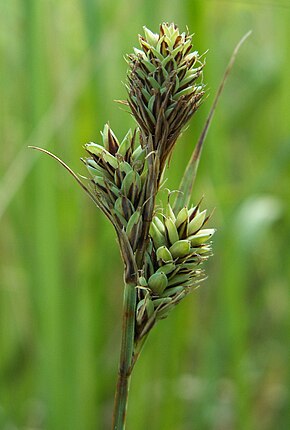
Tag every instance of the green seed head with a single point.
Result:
(163, 85)
(179, 246)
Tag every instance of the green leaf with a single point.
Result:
(187, 181)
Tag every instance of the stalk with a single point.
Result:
(126, 355)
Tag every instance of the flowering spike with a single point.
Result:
(162, 85)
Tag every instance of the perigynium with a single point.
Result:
(163, 249)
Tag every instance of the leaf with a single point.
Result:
(187, 181)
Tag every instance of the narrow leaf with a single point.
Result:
(187, 181)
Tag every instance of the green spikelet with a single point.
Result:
(101, 152)
(167, 268)
(171, 230)
(133, 221)
(163, 84)
(126, 143)
(139, 154)
(156, 235)
(158, 282)
(170, 213)
(128, 182)
(159, 224)
(182, 216)
(196, 223)
(180, 248)
(164, 254)
(110, 141)
(201, 237)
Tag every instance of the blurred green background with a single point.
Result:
(221, 360)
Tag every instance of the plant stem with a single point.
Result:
(125, 365)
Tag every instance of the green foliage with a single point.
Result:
(221, 358)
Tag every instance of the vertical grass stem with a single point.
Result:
(127, 349)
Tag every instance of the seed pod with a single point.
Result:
(104, 134)
(159, 224)
(182, 216)
(194, 210)
(166, 268)
(201, 237)
(140, 53)
(153, 83)
(157, 237)
(90, 163)
(144, 306)
(100, 151)
(110, 159)
(118, 178)
(144, 173)
(94, 148)
(108, 187)
(125, 167)
(139, 154)
(170, 213)
(95, 169)
(125, 145)
(184, 92)
(171, 230)
(137, 185)
(120, 217)
(118, 206)
(180, 249)
(133, 221)
(110, 141)
(149, 306)
(182, 230)
(188, 77)
(150, 36)
(201, 249)
(124, 206)
(190, 266)
(164, 254)
(169, 292)
(196, 223)
(99, 180)
(140, 310)
(158, 282)
(148, 267)
(134, 237)
(151, 103)
(127, 183)
(179, 279)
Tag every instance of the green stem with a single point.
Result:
(127, 350)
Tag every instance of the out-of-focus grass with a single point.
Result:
(221, 361)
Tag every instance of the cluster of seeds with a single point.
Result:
(165, 252)
(118, 173)
(179, 244)
(163, 94)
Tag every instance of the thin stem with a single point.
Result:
(127, 349)
(189, 175)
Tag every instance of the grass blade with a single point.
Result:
(187, 181)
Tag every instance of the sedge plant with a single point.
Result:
(162, 248)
